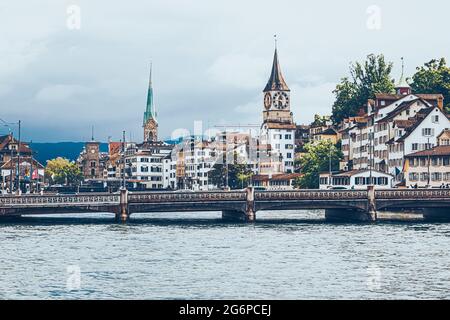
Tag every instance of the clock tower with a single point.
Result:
(278, 128)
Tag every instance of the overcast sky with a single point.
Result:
(211, 59)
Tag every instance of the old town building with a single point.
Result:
(19, 166)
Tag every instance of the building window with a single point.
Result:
(415, 146)
(413, 176)
(435, 119)
(428, 132)
(436, 176)
(446, 161)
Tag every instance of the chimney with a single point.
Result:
(441, 102)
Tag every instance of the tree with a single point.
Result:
(320, 120)
(62, 171)
(366, 79)
(433, 77)
(239, 175)
(315, 161)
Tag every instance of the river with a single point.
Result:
(284, 255)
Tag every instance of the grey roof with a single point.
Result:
(276, 80)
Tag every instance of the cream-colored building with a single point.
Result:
(430, 168)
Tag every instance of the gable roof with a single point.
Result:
(420, 116)
(402, 107)
(436, 151)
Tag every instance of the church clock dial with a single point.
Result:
(280, 100)
(267, 100)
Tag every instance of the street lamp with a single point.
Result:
(330, 173)
(428, 164)
(370, 156)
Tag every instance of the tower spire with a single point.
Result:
(150, 122)
(276, 80)
(402, 87)
(150, 109)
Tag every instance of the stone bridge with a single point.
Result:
(359, 205)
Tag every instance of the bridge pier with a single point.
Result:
(123, 213)
(355, 215)
(238, 216)
(436, 214)
(348, 215)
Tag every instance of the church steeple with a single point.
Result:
(402, 87)
(150, 123)
(150, 110)
(276, 81)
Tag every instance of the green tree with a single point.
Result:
(320, 120)
(62, 171)
(239, 175)
(366, 79)
(433, 77)
(315, 161)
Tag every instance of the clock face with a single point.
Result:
(92, 150)
(267, 100)
(280, 100)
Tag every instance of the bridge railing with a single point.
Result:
(415, 194)
(78, 199)
(155, 197)
(311, 195)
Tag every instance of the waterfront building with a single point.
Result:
(350, 132)
(29, 171)
(419, 136)
(281, 181)
(145, 164)
(355, 179)
(428, 168)
(92, 162)
(278, 128)
(375, 139)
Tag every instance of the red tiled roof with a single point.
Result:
(436, 151)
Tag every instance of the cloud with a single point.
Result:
(60, 93)
(239, 71)
(211, 59)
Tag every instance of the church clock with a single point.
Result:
(280, 100)
(267, 100)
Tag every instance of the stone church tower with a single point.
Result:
(150, 123)
(278, 128)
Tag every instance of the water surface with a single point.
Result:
(284, 255)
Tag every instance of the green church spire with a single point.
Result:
(150, 112)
